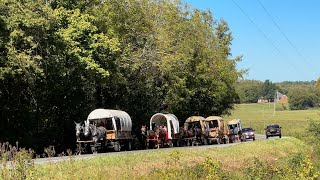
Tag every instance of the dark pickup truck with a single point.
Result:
(273, 130)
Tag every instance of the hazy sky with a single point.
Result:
(283, 45)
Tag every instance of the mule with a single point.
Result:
(162, 137)
(149, 139)
(79, 131)
(143, 137)
(95, 133)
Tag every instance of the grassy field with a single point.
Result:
(157, 164)
(257, 116)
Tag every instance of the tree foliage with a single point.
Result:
(303, 98)
(268, 90)
(249, 91)
(60, 59)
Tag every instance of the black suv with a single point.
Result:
(273, 130)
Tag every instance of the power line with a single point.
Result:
(283, 34)
(265, 36)
(257, 27)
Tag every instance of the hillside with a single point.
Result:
(257, 116)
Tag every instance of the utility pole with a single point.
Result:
(264, 121)
(274, 103)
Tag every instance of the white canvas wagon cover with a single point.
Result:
(116, 115)
(234, 121)
(171, 120)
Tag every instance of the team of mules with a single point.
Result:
(191, 135)
(154, 138)
(88, 131)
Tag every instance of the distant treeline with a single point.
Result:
(61, 59)
(302, 94)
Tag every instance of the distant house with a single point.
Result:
(281, 98)
(261, 100)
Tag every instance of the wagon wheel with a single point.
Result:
(231, 139)
(242, 138)
(157, 145)
(94, 150)
(129, 146)
(178, 143)
(87, 148)
(117, 147)
(225, 140)
(151, 144)
(219, 141)
(205, 141)
(195, 143)
(186, 142)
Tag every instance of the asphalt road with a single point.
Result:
(86, 156)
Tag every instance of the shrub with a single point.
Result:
(299, 166)
(16, 163)
(282, 107)
(50, 151)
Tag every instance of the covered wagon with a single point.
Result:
(235, 131)
(117, 126)
(166, 128)
(194, 131)
(215, 130)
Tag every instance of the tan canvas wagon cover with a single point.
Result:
(215, 124)
(210, 118)
(234, 121)
(197, 119)
(171, 120)
(116, 115)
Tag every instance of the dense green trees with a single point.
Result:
(304, 98)
(249, 91)
(268, 90)
(61, 59)
(301, 94)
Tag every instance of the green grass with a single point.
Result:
(258, 116)
(145, 164)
